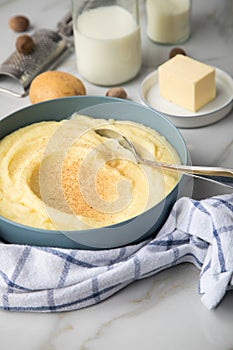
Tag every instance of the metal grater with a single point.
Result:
(50, 48)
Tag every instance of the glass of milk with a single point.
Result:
(168, 21)
(107, 40)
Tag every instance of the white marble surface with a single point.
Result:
(163, 311)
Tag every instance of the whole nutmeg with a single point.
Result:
(117, 92)
(19, 23)
(25, 44)
(176, 51)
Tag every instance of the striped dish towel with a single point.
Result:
(42, 279)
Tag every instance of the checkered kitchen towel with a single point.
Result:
(43, 279)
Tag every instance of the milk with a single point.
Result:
(108, 46)
(168, 21)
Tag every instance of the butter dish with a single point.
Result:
(182, 118)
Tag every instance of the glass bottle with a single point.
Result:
(107, 40)
(168, 21)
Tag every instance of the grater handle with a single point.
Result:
(65, 25)
(13, 93)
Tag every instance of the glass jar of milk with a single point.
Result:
(168, 21)
(107, 40)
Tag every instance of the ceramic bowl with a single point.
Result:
(131, 231)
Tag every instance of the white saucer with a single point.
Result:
(182, 118)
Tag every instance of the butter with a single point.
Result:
(187, 82)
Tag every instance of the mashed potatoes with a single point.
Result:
(63, 175)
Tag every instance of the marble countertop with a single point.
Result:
(165, 310)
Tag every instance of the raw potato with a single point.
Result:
(55, 84)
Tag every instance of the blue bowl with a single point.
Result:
(131, 231)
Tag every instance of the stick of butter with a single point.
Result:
(187, 82)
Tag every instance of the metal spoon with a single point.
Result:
(219, 175)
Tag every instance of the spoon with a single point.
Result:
(223, 175)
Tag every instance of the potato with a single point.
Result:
(55, 84)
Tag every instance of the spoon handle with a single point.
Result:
(219, 175)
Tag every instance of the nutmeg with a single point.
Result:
(25, 44)
(117, 92)
(19, 23)
(177, 51)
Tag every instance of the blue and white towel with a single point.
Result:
(42, 279)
